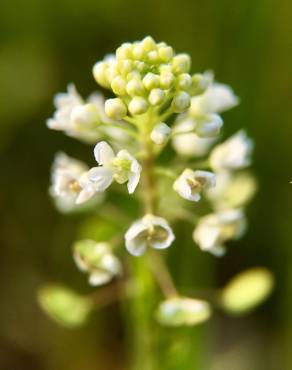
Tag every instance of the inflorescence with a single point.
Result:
(157, 102)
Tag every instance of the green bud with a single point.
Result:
(132, 75)
(64, 305)
(135, 87)
(125, 66)
(115, 108)
(165, 53)
(200, 83)
(138, 106)
(185, 81)
(156, 96)
(160, 133)
(111, 73)
(247, 290)
(118, 85)
(181, 63)
(181, 102)
(151, 81)
(139, 52)
(148, 44)
(166, 80)
(152, 56)
(183, 311)
(124, 51)
(99, 73)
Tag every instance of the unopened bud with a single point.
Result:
(181, 102)
(151, 81)
(118, 85)
(160, 133)
(115, 108)
(156, 96)
(181, 63)
(138, 106)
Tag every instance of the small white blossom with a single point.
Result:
(79, 118)
(215, 229)
(122, 168)
(66, 175)
(233, 190)
(98, 260)
(216, 99)
(233, 154)
(160, 133)
(189, 144)
(150, 231)
(191, 183)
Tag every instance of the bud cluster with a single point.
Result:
(146, 74)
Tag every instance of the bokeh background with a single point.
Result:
(46, 44)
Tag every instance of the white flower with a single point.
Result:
(233, 154)
(216, 99)
(186, 142)
(232, 190)
(98, 260)
(190, 183)
(121, 167)
(160, 133)
(150, 231)
(215, 229)
(66, 173)
(79, 118)
(183, 311)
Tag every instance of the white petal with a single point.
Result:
(84, 195)
(133, 182)
(101, 177)
(135, 229)
(99, 278)
(136, 247)
(103, 153)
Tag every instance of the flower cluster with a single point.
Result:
(157, 101)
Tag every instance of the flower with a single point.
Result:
(183, 311)
(190, 183)
(233, 154)
(232, 190)
(186, 142)
(150, 231)
(160, 133)
(121, 167)
(215, 229)
(96, 259)
(81, 119)
(74, 116)
(68, 180)
(216, 99)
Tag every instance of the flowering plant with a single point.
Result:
(158, 103)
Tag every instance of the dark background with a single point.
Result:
(46, 44)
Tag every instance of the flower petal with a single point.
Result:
(99, 278)
(101, 177)
(136, 247)
(103, 153)
(133, 182)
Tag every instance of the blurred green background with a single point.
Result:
(46, 44)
